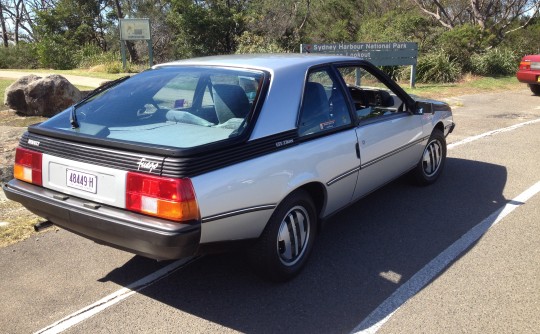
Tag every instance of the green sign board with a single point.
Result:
(133, 30)
(379, 54)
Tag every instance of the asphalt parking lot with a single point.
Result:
(391, 263)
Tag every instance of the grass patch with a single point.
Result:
(10, 118)
(4, 83)
(16, 223)
(469, 85)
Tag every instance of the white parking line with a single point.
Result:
(490, 133)
(384, 312)
(110, 300)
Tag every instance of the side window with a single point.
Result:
(372, 98)
(323, 104)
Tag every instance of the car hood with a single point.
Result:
(435, 104)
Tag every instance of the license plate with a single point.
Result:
(535, 66)
(82, 181)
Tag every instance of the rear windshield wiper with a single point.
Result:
(73, 118)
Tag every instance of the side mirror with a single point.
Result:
(422, 107)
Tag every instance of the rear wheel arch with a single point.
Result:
(317, 192)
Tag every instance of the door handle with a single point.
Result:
(357, 146)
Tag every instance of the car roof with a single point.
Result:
(269, 62)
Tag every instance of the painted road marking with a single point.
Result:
(418, 281)
(491, 133)
(116, 297)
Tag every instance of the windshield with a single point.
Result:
(171, 106)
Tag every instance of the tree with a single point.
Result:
(129, 45)
(17, 12)
(499, 17)
(5, 39)
(206, 27)
(280, 22)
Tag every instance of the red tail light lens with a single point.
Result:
(162, 197)
(525, 65)
(28, 166)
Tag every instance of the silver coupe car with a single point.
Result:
(197, 155)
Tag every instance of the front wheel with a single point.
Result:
(535, 89)
(432, 162)
(285, 244)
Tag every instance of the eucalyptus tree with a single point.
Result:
(498, 17)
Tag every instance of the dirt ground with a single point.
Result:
(16, 223)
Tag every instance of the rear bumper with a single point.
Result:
(528, 76)
(147, 236)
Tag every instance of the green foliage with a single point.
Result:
(251, 43)
(462, 42)
(206, 28)
(281, 22)
(495, 62)
(398, 26)
(524, 41)
(90, 55)
(334, 21)
(21, 56)
(56, 53)
(74, 20)
(438, 68)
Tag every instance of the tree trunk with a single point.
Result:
(129, 45)
(4, 31)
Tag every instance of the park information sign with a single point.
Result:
(135, 30)
(379, 54)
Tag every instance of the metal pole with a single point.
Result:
(150, 53)
(358, 77)
(123, 52)
(413, 76)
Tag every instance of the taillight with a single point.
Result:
(525, 65)
(162, 197)
(28, 166)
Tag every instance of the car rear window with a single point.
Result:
(179, 107)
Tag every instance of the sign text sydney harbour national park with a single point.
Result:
(393, 53)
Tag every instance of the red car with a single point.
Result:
(529, 72)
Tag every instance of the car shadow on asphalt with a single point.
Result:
(364, 254)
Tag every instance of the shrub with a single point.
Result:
(253, 43)
(464, 41)
(495, 62)
(91, 55)
(20, 56)
(438, 68)
(56, 53)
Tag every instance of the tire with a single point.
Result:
(277, 255)
(535, 89)
(433, 159)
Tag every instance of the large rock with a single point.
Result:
(35, 96)
(50, 95)
(15, 96)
